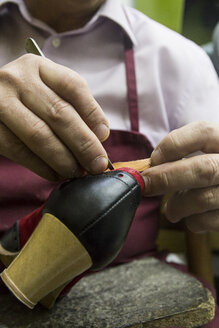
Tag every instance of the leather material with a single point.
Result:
(10, 241)
(99, 210)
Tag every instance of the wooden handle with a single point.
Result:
(199, 255)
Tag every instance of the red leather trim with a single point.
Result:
(28, 224)
(135, 174)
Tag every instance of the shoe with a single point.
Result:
(13, 241)
(83, 227)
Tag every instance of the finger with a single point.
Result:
(191, 173)
(39, 138)
(205, 222)
(67, 124)
(196, 136)
(73, 88)
(12, 148)
(191, 202)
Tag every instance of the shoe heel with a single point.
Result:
(51, 257)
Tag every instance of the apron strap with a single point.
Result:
(131, 84)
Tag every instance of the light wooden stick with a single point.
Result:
(139, 165)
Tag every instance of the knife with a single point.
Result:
(32, 47)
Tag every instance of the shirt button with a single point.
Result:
(56, 42)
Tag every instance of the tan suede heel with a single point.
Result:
(49, 300)
(51, 257)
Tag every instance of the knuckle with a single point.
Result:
(86, 146)
(208, 169)
(171, 139)
(27, 91)
(206, 199)
(38, 133)
(164, 177)
(8, 77)
(29, 60)
(57, 109)
(80, 81)
(175, 142)
(75, 81)
(169, 146)
(13, 74)
(205, 127)
(92, 112)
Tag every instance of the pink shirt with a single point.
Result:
(176, 81)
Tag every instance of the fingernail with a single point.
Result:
(102, 132)
(156, 156)
(99, 164)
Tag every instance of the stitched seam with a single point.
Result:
(117, 178)
(105, 213)
(122, 181)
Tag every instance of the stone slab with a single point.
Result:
(143, 293)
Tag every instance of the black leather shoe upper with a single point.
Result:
(10, 241)
(99, 210)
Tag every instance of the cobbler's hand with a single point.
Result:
(49, 121)
(194, 181)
